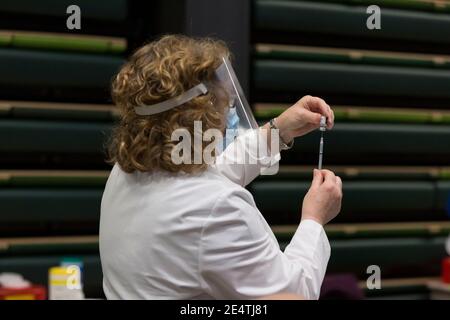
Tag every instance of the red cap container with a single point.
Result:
(30, 293)
(446, 270)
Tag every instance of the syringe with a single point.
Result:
(323, 128)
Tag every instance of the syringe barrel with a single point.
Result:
(321, 146)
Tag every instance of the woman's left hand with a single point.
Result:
(303, 117)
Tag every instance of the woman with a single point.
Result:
(172, 230)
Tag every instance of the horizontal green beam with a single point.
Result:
(371, 173)
(395, 257)
(53, 136)
(56, 70)
(336, 78)
(350, 21)
(351, 56)
(364, 201)
(421, 5)
(375, 144)
(58, 111)
(372, 230)
(61, 42)
(50, 249)
(48, 206)
(54, 181)
(367, 114)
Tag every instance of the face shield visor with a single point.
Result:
(239, 116)
(227, 80)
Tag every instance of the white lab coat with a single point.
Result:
(165, 236)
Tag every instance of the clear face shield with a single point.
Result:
(238, 103)
(225, 85)
(239, 117)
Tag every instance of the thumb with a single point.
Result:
(317, 179)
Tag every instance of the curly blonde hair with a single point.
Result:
(156, 72)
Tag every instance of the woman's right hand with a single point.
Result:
(322, 203)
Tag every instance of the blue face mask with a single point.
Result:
(231, 131)
(232, 119)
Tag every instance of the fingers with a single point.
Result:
(318, 105)
(329, 177)
(317, 179)
(312, 117)
(330, 123)
(325, 177)
(332, 183)
(339, 184)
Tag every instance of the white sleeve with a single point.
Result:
(241, 161)
(241, 259)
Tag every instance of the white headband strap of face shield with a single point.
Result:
(172, 103)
